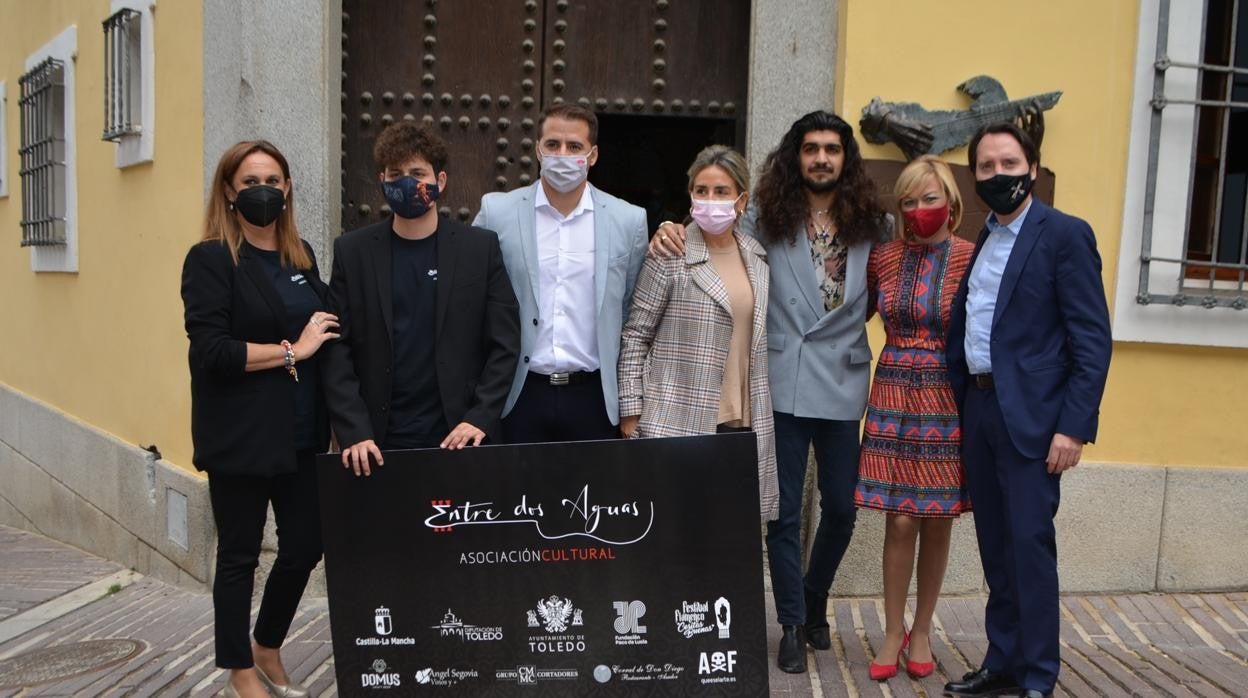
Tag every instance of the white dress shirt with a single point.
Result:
(567, 330)
(982, 290)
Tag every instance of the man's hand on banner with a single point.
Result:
(463, 435)
(356, 457)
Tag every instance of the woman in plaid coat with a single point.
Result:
(693, 353)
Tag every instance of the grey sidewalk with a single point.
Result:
(1112, 645)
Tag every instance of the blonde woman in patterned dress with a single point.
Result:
(911, 466)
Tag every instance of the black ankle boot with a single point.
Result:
(792, 655)
(818, 632)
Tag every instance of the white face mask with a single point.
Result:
(565, 172)
(714, 217)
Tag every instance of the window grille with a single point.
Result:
(42, 154)
(1214, 263)
(122, 75)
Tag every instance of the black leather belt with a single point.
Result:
(983, 381)
(569, 378)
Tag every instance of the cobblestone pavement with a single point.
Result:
(1112, 645)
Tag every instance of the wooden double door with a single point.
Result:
(666, 78)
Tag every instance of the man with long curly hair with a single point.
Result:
(814, 210)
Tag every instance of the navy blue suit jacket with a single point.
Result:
(1050, 341)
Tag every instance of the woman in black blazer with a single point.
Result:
(254, 312)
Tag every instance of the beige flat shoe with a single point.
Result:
(290, 690)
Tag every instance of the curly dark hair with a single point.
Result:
(402, 140)
(781, 192)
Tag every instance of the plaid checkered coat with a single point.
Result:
(675, 344)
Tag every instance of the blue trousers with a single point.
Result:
(1015, 500)
(836, 456)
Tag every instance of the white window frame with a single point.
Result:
(62, 258)
(4, 143)
(138, 148)
(1157, 322)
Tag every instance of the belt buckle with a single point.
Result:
(560, 378)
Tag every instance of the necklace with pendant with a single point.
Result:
(824, 229)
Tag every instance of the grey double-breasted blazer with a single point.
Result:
(819, 360)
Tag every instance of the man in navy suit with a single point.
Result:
(1028, 350)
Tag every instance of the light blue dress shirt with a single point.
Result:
(982, 289)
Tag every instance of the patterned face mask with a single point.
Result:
(409, 198)
(1004, 192)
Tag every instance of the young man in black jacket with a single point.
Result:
(429, 322)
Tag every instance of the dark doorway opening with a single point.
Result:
(644, 159)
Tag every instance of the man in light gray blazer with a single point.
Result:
(573, 253)
(815, 212)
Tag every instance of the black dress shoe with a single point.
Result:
(981, 683)
(792, 655)
(818, 632)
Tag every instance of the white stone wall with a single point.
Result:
(793, 49)
(67, 480)
(273, 70)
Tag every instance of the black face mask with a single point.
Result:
(260, 205)
(1004, 192)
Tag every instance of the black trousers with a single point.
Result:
(546, 413)
(239, 507)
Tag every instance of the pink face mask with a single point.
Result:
(714, 217)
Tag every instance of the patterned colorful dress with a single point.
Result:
(911, 450)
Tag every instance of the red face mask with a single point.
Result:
(926, 222)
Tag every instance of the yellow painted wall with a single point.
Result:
(1164, 404)
(106, 344)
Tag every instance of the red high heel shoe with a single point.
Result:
(919, 669)
(884, 672)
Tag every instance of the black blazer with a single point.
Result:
(241, 422)
(477, 326)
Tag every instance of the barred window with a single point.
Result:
(42, 153)
(1203, 101)
(123, 74)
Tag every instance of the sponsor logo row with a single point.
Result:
(554, 625)
(554, 628)
(712, 668)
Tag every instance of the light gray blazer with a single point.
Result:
(820, 362)
(619, 249)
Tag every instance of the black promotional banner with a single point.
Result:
(591, 568)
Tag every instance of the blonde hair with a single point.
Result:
(918, 173)
(221, 223)
(726, 159)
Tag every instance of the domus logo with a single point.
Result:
(380, 677)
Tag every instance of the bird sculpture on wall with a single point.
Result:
(920, 131)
